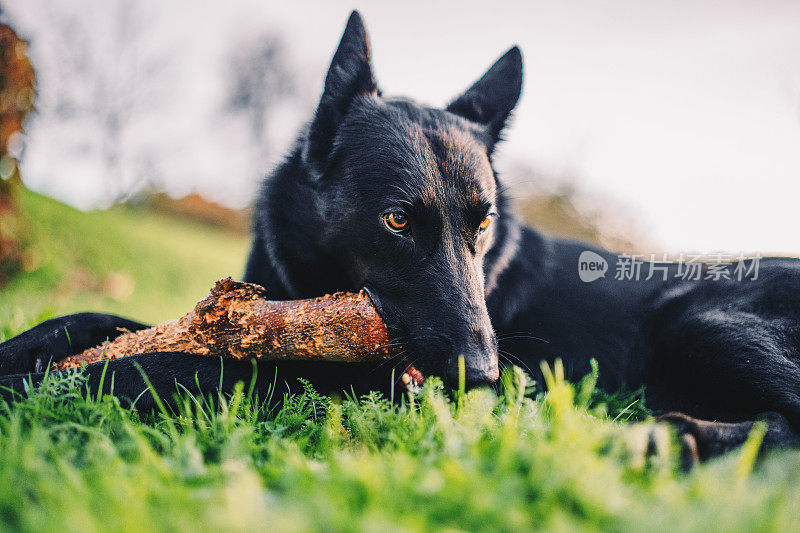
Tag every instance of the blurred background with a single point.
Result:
(135, 132)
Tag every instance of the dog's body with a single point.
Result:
(402, 199)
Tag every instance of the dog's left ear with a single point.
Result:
(350, 75)
(490, 100)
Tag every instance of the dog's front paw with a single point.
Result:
(39, 360)
(704, 439)
(25, 361)
(687, 431)
(28, 353)
(647, 444)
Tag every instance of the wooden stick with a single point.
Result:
(237, 321)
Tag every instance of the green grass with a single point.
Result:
(137, 264)
(485, 462)
(556, 456)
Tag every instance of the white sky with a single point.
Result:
(687, 111)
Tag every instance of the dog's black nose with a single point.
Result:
(480, 368)
(481, 364)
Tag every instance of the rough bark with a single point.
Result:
(237, 321)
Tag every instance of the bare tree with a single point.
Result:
(97, 79)
(135, 93)
(261, 79)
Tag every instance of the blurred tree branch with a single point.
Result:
(261, 79)
(17, 95)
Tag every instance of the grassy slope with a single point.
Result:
(141, 265)
(558, 461)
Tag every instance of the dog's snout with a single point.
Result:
(480, 368)
(477, 345)
(483, 338)
(481, 364)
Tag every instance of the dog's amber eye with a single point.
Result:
(486, 223)
(395, 221)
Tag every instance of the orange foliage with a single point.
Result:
(17, 94)
(197, 208)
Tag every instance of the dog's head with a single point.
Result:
(407, 203)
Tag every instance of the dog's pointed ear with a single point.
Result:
(490, 99)
(349, 75)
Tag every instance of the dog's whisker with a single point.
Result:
(399, 378)
(389, 345)
(387, 363)
(521, 336)
(514, 360)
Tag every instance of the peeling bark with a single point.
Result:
(237, 321)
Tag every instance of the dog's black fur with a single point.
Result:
(723, 350)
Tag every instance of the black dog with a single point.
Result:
(402, 199)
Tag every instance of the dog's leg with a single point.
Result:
(57, 338)
(125, 377)
(703, 439)
(171, 373)
(727, 366)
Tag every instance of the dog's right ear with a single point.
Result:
(350, 75)
(490, 99)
